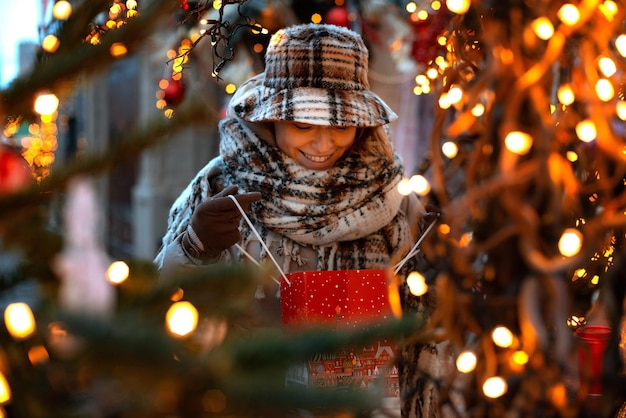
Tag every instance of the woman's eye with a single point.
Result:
(302, 127)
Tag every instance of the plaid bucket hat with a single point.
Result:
(315, 74)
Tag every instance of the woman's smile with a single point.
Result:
(316, 147)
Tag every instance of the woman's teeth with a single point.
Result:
(317, 158)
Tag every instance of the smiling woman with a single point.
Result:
(18, 25)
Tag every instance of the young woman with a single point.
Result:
(305, 149)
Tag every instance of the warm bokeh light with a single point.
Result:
(419, 184)
(607, 66)
(416, 283)
(570, 242)
(520, 357)
(5, 390)
(543, 28)
(404, 187)
(620, 45)
(604, 90)
(62, 10)
(569, 14)
(478, 109)
(230, 88)
(494, 387)
(118, 49)
(565, 93)
(181, 318)
(466, 361)
(117, 272)
(518, 142)
(38, 355)
(46, 104)
(455, 94)
(458, 6)
(19, 320)
(502, 336)
(50, 43)
(620, 109)
(586, 130)
(449, 149)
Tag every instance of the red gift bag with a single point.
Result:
(342, 299)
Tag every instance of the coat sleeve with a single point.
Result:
(205, 184)
(176, 264)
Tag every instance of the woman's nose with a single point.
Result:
(323, 140)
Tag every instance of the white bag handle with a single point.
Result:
(267, 250)
(415, 250)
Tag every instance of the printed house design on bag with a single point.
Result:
(364, 369)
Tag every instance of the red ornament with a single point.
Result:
(338, 16)
(15, 173)
(184, 5)
(174, 93)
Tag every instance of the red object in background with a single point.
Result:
(425, 46)
(593, 341)
(15, 172)
(174, 93)
(336, 298)
(338, 16)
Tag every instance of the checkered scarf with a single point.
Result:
(349, 215)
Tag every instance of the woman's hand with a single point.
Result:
(215, 224)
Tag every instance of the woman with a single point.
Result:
(304, 147)
(305, 144)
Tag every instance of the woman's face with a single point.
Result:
(312, 146)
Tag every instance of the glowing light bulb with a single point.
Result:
(404, 187)
(131, 4)
(62, 10)
(432, 73)
(455, 94)
(46, 104)
(620, 45)
(518, 142)
(607, 66)
(419, 184)
(416, 283)
(19, 320)
(5, 390)
(458, 6)
(543, 28)
(565, 94)
(444, 101)
(569, 14)
(182, 318)
(421, 79)
(570, 242)
(620, 109)
(502, 336)
(449, 149)
(466, 362)
(478, 109)
(411, 7)
(494, 387)
(604, 90)
(586, 130)
(117, 272)
(118, 49)
(520, 357)
(50, 43)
